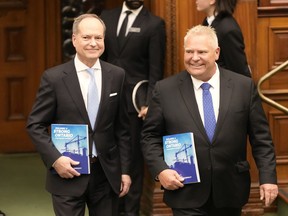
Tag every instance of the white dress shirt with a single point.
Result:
(84, 77)
(131, 18)
(210, 20)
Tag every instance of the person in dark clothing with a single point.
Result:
(142, 55)
(64, 98)
(231, 42)
(178, 106)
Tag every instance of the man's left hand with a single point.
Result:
(269, 193)
(125, 185)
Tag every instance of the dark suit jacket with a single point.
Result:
(231, 43)
(143, 54)
(59, 100)
(223, 163)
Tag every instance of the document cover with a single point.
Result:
(180, 155)
(72, 141)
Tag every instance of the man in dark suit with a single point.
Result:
(176, 107)
(62, 98)
(142, 55)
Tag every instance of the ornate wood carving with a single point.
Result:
(172, 63)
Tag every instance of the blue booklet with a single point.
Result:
(72, 141)
(180, 155)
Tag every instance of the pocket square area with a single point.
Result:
(113, 94)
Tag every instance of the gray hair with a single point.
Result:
(203, 30)
(78, 19)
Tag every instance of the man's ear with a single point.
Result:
(217, 53)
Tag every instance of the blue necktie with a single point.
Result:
(92, 98)
(209, 116)
(92, 103)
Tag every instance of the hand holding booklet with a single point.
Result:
(180, 155)
(72, 141)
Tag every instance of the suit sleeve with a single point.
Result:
(261, 141)
(153, 130)
(122, 133)
(40, 119)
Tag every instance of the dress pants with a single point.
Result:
(208, 209)
(130, 203)
(99, 197)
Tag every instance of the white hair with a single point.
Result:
(203, 30)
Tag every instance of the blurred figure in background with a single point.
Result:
(140, 50)
(231, 42)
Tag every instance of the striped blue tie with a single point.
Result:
(209, 115)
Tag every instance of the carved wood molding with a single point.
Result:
(171, 50)
(12, 4)
(7, 5)
(279, 11)
(167, 10)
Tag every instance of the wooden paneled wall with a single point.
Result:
(21, 57)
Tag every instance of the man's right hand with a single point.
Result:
(170, 179)
(63, 166)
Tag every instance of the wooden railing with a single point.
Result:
(266, 77)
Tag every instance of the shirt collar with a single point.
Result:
(80, 66)
(214, 80)
(210, 20)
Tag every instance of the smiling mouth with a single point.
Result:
(196, 66)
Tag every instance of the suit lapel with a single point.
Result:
(226, 91)
(216, 21)
(106, 90)
(71, 82)
(188, 95)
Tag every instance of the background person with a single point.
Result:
(142, 55)
(231, 42)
